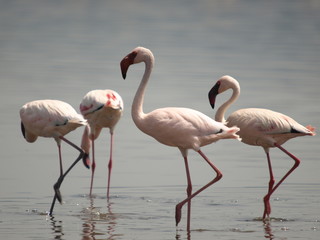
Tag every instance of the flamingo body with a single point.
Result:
(259, 127)
(263, 127)
(184, 128)
(177, 127)
(51, 119)
(102, 109)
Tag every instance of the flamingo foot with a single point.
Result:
(56, 188)
(58, 194)
(267, 207)
(109, 177)
(178, 213)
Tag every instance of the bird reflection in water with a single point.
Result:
(268, 230)
(179, 236)
(57, 227)
(92, 217)
(269, 234)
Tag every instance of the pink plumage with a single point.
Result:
(177, 127)
(259, 127)
(102, 109)
(52, 119)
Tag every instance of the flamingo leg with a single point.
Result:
(57, 193)
(266, 199)
(52, 204)
(57, 185)
(296, 164)
(189, 192)
(93, 165)
(216, 179)
(110, 164)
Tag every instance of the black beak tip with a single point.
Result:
(86, 160)
(23, 130)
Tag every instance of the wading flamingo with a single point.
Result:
(259, 127)
(55, 119)
(177, 127)
(102, 109)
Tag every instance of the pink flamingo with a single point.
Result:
(177, 127)
(55, 119)
(102, 109)
(259, 127)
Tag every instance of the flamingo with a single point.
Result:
(259, 127)
(183, 128)
(51, 119)
(102, 109)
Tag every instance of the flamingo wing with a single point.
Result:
(183, 127)
(49, 118)
(265, 127)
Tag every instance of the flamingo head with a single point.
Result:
(223, 84)
(139, 54)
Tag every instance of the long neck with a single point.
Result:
(137, 105)
(223, 108)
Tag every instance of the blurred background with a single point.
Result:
(63, 49)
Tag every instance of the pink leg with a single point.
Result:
(71, 144)
(93, 165)
(267, 207)
(56, 188)
(57, 194)
(60, 159)
(189, 191)
(217, 178)
(296, 164)
(110, 164)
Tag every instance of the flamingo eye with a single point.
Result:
(220, 131)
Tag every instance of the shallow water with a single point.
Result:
(61, 50)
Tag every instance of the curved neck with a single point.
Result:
(137, 105)
(223, 108)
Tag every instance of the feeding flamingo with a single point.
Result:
(51, 118)
(259, 127)
(177, 127)
(102, 109)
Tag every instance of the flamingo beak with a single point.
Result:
(124, 65)
(23, 130)
(116, 107)
(86, 160)
(126, 62)
(213, 94)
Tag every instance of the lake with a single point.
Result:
(63, 49)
